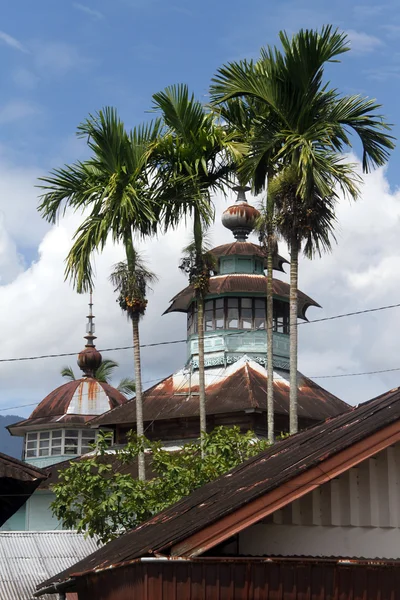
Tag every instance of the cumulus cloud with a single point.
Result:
(15, 110)
(41, 314)
(363, 43)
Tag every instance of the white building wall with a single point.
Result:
(354, 515)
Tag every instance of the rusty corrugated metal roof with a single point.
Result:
(248, 249)
(258, 476)
(75, 402)
(18, 481)
(243, 284)
(238, 387)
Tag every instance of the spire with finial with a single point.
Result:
(90, 359)
(241, 217)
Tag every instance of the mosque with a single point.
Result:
(64, 424)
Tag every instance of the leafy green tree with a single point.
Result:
(195, 157)
(95, 496)
(104, 374)
(304, 128)
(116, 192)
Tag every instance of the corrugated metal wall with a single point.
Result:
(243, 580)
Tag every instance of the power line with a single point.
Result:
(354, 374)
(183, 341)
(351, 314)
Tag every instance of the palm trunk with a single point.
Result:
(139, 400)
(270, 351)
(294, 265)
(198, 240)
(270, 315)
(202, 384)
(130, 256)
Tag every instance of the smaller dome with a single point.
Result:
(241, 217)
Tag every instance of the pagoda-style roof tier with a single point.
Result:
(71, 404)
(237, 283)
(248, 249)
(240, 387)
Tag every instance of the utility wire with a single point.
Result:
(183, 341)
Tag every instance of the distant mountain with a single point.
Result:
(9, 444)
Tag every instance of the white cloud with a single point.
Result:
(41, 314)
(24, 78)
(55, 58)
(15, 110)
(95, 14)
(363, 43)
(12, 42)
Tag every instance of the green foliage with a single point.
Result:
(101, 499)
(132, 282)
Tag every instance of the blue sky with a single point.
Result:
(61, 60)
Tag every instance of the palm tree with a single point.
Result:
(115, 190)
(131, 279)
(104, 374)
(309, 124)
(195, 157)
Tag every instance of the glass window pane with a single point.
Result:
(71, 433)
(30, 453)
(71, 447)
(32, 444)
(44, 435)
(44, 452)
(208, 321)
(259, 303)
(56, 434)
(233, 318)
(219, 318)
(246, 318)
(208, 305)
(32, 436)
(246, 302)
(233, 302)
(219, 303)
(56, 451)
(88, 433)
(44, 443)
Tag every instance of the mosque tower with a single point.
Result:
(235, 351)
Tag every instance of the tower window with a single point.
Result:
(239, 313)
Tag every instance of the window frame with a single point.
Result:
(280, 318)
(34, 438)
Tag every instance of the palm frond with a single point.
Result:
(127, 386)
(68, 373)
(106, 369)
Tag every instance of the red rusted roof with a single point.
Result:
(18, 481)
(271, 469)
(75, 402)
(244, 284)
(248, 249)
(239, 387)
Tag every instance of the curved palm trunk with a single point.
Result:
(139, 400)
(294, 264)
(270, 351)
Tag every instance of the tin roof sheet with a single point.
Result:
(241, 284)
(238, 387)
(28, 557)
